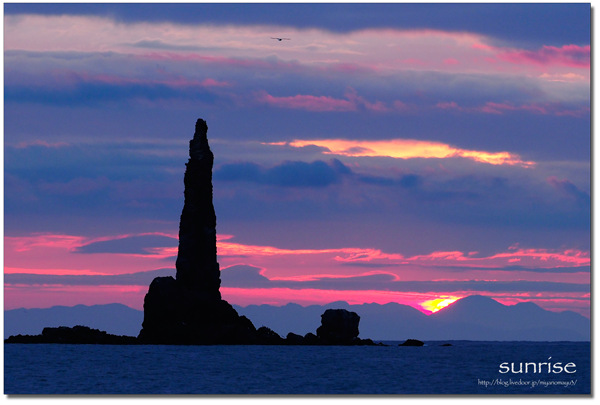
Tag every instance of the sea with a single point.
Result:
(464, 368)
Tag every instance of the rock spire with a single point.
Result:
(197, 267)
(189, 308)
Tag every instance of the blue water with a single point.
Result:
(460, 369)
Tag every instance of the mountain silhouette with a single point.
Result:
(116, 319)
(470, 318)
(479, 316)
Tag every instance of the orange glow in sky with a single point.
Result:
(410, 148)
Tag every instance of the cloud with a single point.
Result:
(409, 181)
(352, 102)
(143, 278)
(409, 149)
(244, 276)
(139, 245)
(543, 20)
(307, 102)
(287, 174)
(568, 55)
(570, 190)
(500, 108)
(158, 44)
(575, 269)
(27, 144)
(98, 90)
(250, 277)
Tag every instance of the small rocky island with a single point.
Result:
(188, 309)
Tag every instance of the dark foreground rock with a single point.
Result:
(75, 335)
(412, 342)
(261, 336)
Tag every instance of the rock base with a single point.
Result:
(176, 315)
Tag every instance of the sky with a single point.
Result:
(410, 153)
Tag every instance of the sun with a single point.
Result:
(438, 303)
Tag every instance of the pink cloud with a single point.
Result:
(44, 253)
(582, 112)
(399, 105)
(567, 55)
(527, 257)
(497, 108)
(450, 61)
(25, 243)
(307, 102)
(352, 102)
(53, 254)
(353, 96)
(213, 83)
(482, 47)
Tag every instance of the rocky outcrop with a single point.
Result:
(412, 342)
(188, 309)
(75, 335)
(266, 336)
(338, 326)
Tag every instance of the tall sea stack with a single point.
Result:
(189, 308)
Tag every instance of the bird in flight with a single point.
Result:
(280, 39)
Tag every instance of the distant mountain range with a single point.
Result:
(470, 318)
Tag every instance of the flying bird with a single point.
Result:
(280, 39)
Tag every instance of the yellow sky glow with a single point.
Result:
(438, 303)
(410, 148)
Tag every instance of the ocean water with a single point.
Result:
(465, 368)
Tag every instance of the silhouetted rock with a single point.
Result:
(188, 309)
(412, 342)
(75, 335)
(197, 267)
(265, 336)
(311, 339)
(446, 344)
(294, 339)
(338, 326)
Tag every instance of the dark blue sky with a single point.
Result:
(531, 25)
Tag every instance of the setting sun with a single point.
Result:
(437, 304)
